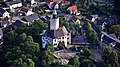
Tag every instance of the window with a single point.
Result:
(62, 37)
(55, 44)
(55, 40)
(68, 38)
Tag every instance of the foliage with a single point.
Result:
(86, 63)
(22, 63)
(86, 52)
(115, 29)
(46, 58)
(98, 29)
(19, 50)
(92, 38)
(50, 47)
(87, 27)
(110, 57)
(74, 61)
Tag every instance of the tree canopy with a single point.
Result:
(74, 61)
(110, 57)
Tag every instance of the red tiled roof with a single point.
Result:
(78, 12)
(24, 9)
(53, 4)
(65, 3)
(72, 8)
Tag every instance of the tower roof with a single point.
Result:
(54, 12)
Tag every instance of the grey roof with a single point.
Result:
(14, 2)
(30, 17)
(113, 35)
(80, 39)
(56, 33)
(2, 11)
(73, 18)
(49, 33)
(117, 40)
(89, 17)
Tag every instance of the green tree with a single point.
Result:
(30, 47)
(9, 38)
(98, 29)
(92, 38)
(88, 28)
(110, 57)
(21, 38)
(22, 52)
(86, 52)
(74, 61)
(115, 29)
(86, 63)
(46, 58)
(20, 63)
(50, 47)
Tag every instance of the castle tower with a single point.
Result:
(54, 21)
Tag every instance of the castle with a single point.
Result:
(55, 35)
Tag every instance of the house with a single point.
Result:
(3, 5)
(92, 17)
(32, 2)
(65, 2)
(53, 4)
(27, 11)
(63, 56)
(5, 22)
(14, 4)
(75, 20)
(56, 34)
(110, 40)
(17, 24)
(30, 18)
(1, 36)
(4, 13)
(80, 39)
(111, 20)
(72, 9)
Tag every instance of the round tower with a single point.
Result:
(54, 21)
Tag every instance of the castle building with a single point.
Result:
(56, 35)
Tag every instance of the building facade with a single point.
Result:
(56, 34)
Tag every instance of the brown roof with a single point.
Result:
(61, 32)
(24, 9)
